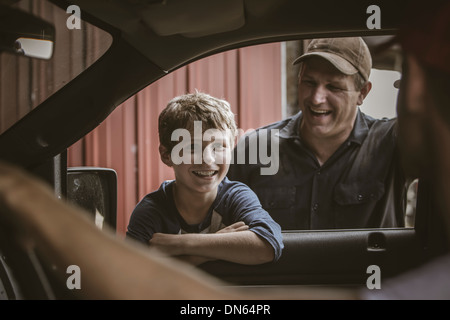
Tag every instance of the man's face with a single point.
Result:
(328, 100)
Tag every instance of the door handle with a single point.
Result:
(376, 242)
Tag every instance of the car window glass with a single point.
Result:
(26, 82)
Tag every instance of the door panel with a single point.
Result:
(329, 257)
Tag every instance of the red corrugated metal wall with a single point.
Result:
(249, 78)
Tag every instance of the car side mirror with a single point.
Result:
(22, 33)
(95, 190)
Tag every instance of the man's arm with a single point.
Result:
(244, 247)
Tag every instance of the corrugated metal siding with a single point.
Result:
(127, 141)
(260, 85)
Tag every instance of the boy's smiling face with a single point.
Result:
(209, 161)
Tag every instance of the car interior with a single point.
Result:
(53, 97)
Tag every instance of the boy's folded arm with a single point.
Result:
(194, 260)
(245, 247)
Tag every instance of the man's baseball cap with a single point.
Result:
(348, 55)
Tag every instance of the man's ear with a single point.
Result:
(364, 92)
(164, 154)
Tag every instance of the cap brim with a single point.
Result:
(338, 62)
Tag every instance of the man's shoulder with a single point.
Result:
(377, 134)
(384, 121)
(380, 126)
(278, 124)
(275, 125)
(284, 127)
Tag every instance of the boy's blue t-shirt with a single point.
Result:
(157, 213)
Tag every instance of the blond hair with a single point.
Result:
(182, 111)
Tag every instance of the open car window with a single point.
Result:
(260, 82)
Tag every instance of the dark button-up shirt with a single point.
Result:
(360, 186)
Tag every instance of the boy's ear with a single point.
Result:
(165, 155)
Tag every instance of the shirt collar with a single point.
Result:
(360, 129)
(357, 135)
(290, 130)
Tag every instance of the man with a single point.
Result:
(338, 167)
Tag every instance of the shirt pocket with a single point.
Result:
(277, 197)
(279, 202)
(358, 192)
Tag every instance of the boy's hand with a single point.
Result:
(235, 243)
(171, 244)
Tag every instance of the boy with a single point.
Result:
(201, 215)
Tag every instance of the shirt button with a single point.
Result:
(315, 207)
(360, 197)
